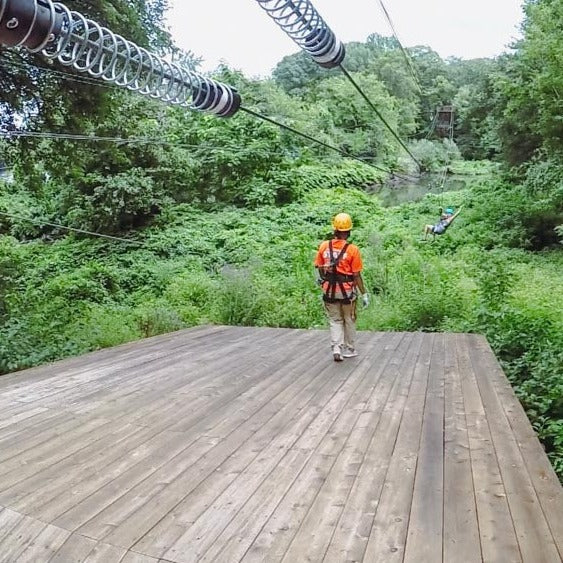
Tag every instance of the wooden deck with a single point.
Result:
(238, 444)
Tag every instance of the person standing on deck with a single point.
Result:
(340, 265)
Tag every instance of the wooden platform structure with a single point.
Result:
(239, 444)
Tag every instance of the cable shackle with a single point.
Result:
(301, 21)
(84, 45)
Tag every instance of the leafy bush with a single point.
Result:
(522, 215)
(435, 155)
(157, 318)
(104, 326)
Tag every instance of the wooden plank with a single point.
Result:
(280, 528)
(133, 557)
(317, 529)
(120, 474)
(17, 419)
(18, 538)
(497, 535)
(72, 464)
(30, 436)
(102, 357)
(105, 553)
(129, 519)
(69, 393)
(535, 539)
(201, 540)
(173, 526)
(175, 452)
(244, 527)
(155, 473)
(263, 366)
(32, 425)
(461, 528)
(76, 549)
(140, 397)
(17, 466)
(137, 371)
(166, 445)
(36, 488)
(546, 484)
(79, 466)
(107, 357)
(374, 525)
(425, 530)
(9, 519)
(44, 546)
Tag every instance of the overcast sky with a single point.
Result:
(240, 33)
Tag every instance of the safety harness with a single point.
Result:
(336, 280)
(440, 227)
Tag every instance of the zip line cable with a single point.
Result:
(403, 50)
(321, 143)
(300, 20)
(378, 113)
(82, 44)
(150, 140)
(124, 140)
(80, 79)
(72, 229)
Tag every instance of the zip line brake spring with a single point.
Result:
(74, 41)
(301, 21)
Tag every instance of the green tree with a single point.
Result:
(533, 86)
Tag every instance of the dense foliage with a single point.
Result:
(225, 215)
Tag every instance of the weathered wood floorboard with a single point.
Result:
(241, 444)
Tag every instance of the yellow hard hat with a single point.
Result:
(342, 222)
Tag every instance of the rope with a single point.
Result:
(445, 172)
(150, 140)
(73, 137)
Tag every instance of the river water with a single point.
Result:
(403, 191)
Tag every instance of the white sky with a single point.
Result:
(240, 33)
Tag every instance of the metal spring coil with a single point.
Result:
(301, 21)
(80, 43)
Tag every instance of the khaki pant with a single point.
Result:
(342, 320)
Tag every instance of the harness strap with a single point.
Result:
(334, 278)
